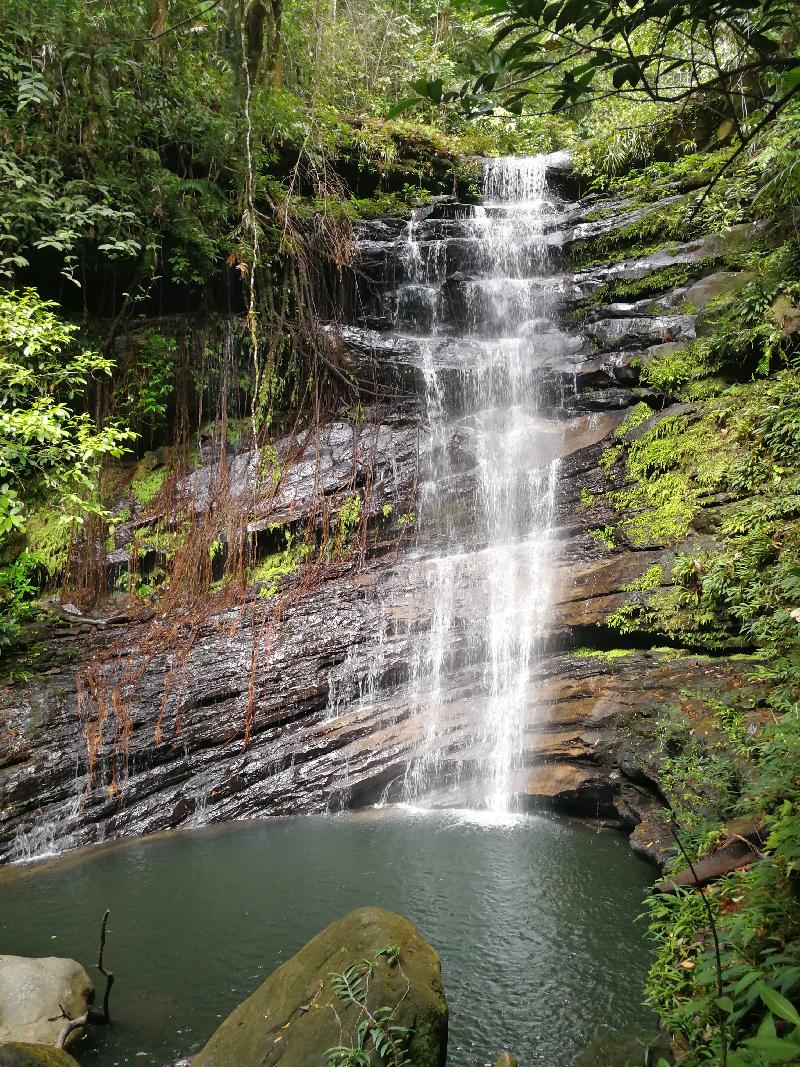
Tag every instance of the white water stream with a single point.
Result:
(478, 284)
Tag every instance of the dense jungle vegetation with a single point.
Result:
(206, 158)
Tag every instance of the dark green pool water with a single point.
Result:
(534, 921)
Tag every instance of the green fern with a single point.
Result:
(375, 1031)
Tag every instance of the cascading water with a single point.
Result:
(507, 312)
(475, 302)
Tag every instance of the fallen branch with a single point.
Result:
(72, 1024)
(105, 1017)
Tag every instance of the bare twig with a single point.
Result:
(108, 975)
(185, 22)
(72, 1024)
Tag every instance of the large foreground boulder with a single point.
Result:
(19, 1054)
(39, 996)
(303, 1009)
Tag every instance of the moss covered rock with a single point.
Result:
(299, 1012)
(19, 1054)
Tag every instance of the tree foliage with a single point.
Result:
(733, 60)
(48, 445)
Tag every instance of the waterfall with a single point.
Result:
(506, 302)
(476, 300)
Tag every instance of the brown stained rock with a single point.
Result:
(652, 840)
(603, 577)
(587, 430)
(556, 779)
(296, 1015)
(587, 593)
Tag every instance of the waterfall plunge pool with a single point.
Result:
(533, 916)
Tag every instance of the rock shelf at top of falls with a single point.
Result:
(441, 663)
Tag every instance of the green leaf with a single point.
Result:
(776, 1048)
(401, 106)
(778, 1004)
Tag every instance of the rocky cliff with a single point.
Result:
(119, 723)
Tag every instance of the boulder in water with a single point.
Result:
(506, 1059)
(359, 969)
(22, 1054)
(39, 996)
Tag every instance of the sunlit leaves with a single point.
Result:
(47, 445)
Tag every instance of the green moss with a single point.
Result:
(347, 521)
(745, 446)
(672, 612)
(383, 204)
(165, 541)
(19, 1054)
(147, 482)
(608, 656)
(673, 652)
(686, 371)
(669, 468)
(609, 457)
(48, 540)
(637, 415)
(651, 579)
(654, 283)
(604, 535)
(655, 231)
(271, 569)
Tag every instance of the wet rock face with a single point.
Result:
(300, 1011)
(307, 703)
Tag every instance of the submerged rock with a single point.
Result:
(22, 1054)
(39, 996)
(299, 1012)
(623, 1050)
